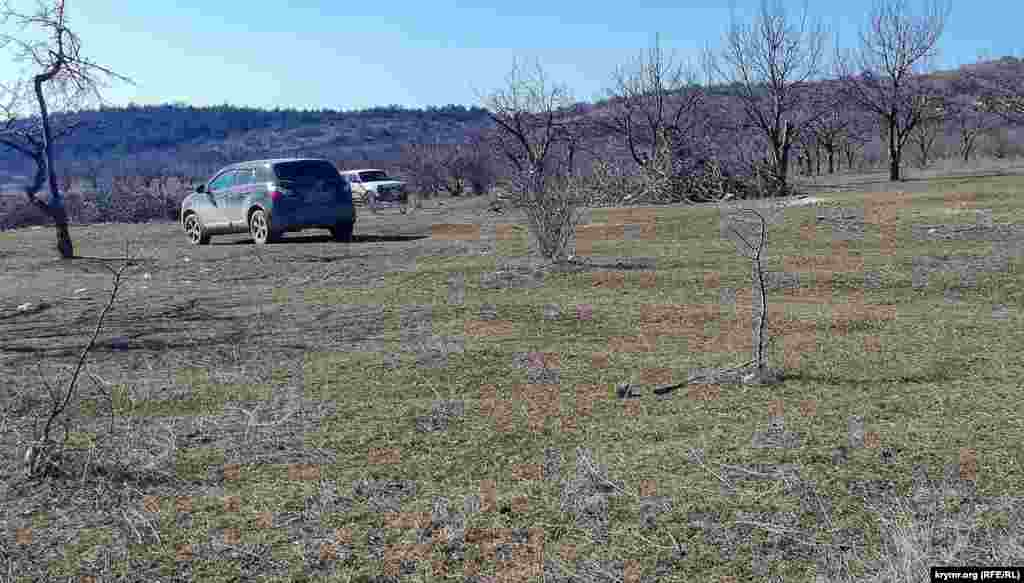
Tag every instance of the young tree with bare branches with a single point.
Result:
(884, 77)
(653, 106)
(535, 124)
(773, 64)
(63, 79)
(972, 112)
(530, 114)
(924, 136)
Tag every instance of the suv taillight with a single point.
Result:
(275, 195)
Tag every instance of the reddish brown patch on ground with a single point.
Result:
(455, 232)
(489, 328)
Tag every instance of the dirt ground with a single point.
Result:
(193, 299)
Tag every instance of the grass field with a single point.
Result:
(404, 405)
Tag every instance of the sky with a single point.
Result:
(308, 54)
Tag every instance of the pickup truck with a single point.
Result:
(375, 189)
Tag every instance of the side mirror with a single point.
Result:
(201, 188)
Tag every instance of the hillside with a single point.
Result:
(195, 140)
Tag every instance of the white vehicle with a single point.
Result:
(375, 189)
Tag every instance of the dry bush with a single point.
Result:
(553, 213)
(43, 414)
(921, 531)
(129, 199)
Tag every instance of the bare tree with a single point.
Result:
(832, 125)
(454, 168)
(927, 131)
(428, 164)
(535, 120)
(884, 75)
(773, 64)
(64, 78)
(529, 112)
(482, 168)
(654, 99)
(974, 117)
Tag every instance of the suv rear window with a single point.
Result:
(373, 176)
(306, 171)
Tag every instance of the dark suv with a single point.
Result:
(267, 198)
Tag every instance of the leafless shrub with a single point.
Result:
(536, 126)
(43, 453)
(554, 213)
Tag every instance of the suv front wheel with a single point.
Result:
(259, 228)
(197, 233)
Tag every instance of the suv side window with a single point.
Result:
(352, 178)
(223, 182)
(245, 176)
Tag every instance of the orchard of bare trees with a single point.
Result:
(775, 101)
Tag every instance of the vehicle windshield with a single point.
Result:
(373, 176)
(306, 171)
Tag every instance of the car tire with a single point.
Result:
(196, 230)
(260, 228)
(342, 232)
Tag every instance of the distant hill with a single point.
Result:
(196, 140)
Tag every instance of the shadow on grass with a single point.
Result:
(854, 184)
(132, 342)
(935, 376)
(308, 239)
(976, 176)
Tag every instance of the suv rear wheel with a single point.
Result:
(342, 232)
(259, 228)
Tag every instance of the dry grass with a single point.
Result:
(444, 408)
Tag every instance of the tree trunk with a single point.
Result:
(784, 166)
(64, 245)
(966, 146)
(56, 205)
(831, 159)
(894, 151)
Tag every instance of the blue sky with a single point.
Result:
(353, 55)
